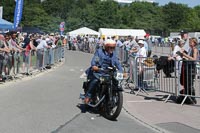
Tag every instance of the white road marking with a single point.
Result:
(140, 101)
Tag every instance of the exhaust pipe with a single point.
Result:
(91, 105)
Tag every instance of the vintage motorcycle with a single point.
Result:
(108, 97)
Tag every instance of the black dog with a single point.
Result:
(164, 64)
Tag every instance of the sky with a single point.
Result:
(190, 3)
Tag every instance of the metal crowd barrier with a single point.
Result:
(188, 80)
(122, 54)
(147, 77)
(25, 63)
(143, 75)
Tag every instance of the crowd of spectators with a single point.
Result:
(17, 48)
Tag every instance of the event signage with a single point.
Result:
(62, 27)
(18, 12)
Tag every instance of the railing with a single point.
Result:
(164, 76)
(16, 64)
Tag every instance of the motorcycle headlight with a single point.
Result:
(119, 76)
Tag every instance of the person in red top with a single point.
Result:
(26, 55)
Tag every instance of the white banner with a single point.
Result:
(1, 11)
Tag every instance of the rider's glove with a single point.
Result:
(125, 75)
(95, 68)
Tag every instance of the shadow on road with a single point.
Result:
(85, 108)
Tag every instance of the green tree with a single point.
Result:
(143, 15)
(97, 14)
(175, 15)
(8, 9)
(105, 14)
(193, 21)
(58, 8)
(35, 16)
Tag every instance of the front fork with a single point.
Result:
(110, 93)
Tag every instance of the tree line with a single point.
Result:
(95, 14)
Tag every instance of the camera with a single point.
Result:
(179, 53)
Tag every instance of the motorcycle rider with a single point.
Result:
(103, 58)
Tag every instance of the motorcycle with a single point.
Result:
(108, 97)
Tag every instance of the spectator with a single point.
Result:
(177, 56)
(26, 54)
(3, 49)
(86, 45)
(140, 57)
(149, 44)
(16, 50)
(135, 48)
(185, 37)
(59, 45)
(188, 71)
(8, 57)
(40, 53)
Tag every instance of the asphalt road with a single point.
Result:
(49, 103)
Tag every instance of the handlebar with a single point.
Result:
(108, 69)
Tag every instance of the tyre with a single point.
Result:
(113, 109)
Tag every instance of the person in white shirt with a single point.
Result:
(135, 48)
(42, 44)
(176, 55)
(142, 52)
(140, 57)
(40, 51)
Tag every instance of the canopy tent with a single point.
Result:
(121, 32)
(83, 31)
(4, 25)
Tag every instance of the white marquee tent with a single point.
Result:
(121, 32)
(83, 31)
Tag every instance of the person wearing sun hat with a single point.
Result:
(142, 51)
(140, 57)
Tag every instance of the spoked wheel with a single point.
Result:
(113, 109)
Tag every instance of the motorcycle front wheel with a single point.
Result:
(114, 107)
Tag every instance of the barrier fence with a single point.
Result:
(16, 64)
(162, 75)
(147, 77)
(189, 82)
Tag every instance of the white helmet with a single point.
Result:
(110, 43)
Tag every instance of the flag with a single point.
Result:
(18, 12)
(62, 27)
